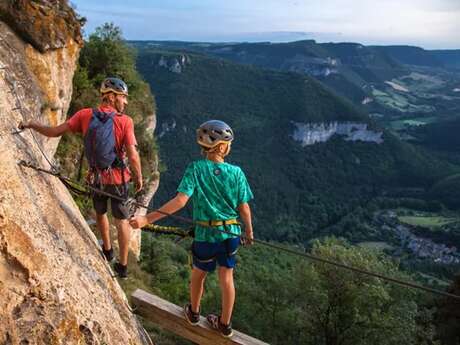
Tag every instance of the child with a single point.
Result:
(219, 192)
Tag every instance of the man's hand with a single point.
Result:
(138, 183)
(28, 124)
(138, 222)
(52, 132)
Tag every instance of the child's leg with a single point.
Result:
(227, 289)
(196, 288)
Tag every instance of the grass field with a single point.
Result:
(402, 123)
(376, 245)
(426, 221)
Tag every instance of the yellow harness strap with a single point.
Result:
(213, 223)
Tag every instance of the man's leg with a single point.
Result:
(228, 293)
(197, 288)
(124, 236)
(102, 224)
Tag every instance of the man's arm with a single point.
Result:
(172, 206)
(245, 215)
(47, 131)
(135, 165)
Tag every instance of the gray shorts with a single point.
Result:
(100, 201)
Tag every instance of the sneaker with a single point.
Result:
(108, 254)
(224, 330)
(122, 270)
(192, 317)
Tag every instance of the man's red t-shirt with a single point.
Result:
(124, 136)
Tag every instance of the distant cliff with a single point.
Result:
(54, 286)
(312, 133)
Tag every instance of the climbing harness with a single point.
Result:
(156, 228)
(214, 223)
(212, 258)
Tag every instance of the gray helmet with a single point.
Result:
(213, 132)
(114, 85)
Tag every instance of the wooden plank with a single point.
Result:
(171, 317)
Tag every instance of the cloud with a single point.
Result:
(424, 22)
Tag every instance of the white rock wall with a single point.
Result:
(312, 133)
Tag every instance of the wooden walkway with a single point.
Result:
(171, 317)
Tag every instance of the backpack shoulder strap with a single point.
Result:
(102, 115)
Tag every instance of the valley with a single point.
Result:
(322, 166)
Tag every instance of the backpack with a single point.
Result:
(99, 142)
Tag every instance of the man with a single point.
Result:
(109, 137)
(219, 193)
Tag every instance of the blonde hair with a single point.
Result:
(205, 151)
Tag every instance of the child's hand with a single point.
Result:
(138, 222)
(248, 239)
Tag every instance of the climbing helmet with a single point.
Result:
(213, 132)
(114, 85)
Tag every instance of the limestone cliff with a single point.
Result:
(312, 133)
(54, 286)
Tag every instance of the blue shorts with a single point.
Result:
(206, 254)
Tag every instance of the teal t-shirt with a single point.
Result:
(216, 190)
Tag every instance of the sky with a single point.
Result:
(431, 24)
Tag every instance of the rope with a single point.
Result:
(168, 230)
(19, 107)
(158, 228)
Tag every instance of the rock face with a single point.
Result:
(175, 64)
(149, 191)
(54, 286)
(312, 133)
(313, 66)
(45, 24)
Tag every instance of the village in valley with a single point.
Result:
(421, 248)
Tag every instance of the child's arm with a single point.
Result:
(172, 206)
(245, 215)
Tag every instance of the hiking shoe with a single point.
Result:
(192, 317)
(224, 330)
(108, 254)
(122, 270)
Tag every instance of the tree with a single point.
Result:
(448, 316)
(340, 307)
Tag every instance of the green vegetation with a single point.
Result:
(443, 135)
(300, 192)
(448, 316)
(354, 71)
(379, 246)
(426, 221)
(433, 281)
(417, 121)
(447, 191)
(400, 102)
(284, 300)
